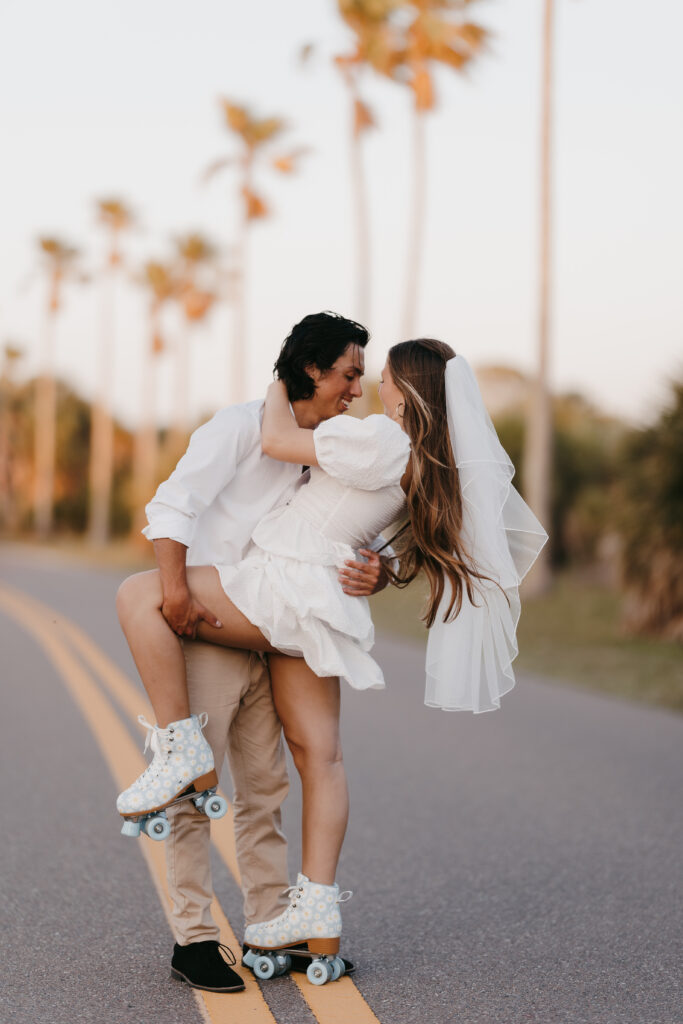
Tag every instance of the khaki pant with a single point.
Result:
(233, 687)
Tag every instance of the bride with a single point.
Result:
(433, 457)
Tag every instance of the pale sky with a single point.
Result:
(102, 98)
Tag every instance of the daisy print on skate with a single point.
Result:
(312, 917)
(174, 774)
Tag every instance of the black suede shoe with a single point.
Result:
(302, 961)
(201, 965)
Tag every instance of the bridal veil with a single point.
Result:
(469, 660)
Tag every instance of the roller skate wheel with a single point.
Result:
(249, 959)
(337, 968)
(264, 967)
(319, 972)
(283, 963)
(157, 828)
(131, 828)
(215, 807)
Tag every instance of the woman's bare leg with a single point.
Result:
(156, 648)
(308, 707)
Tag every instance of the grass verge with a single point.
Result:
(571, 635)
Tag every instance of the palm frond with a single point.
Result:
(236, 117)
(216, 166)
(256, 207)
(114, 213)
(363, 118)
(195, 248)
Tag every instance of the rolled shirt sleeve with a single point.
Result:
(210, 462)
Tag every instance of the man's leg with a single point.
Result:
(217, 677)
(257, 760)
(259, 773)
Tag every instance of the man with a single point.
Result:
(203, 514)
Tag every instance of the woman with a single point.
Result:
(435, 455)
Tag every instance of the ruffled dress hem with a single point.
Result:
(289, 602)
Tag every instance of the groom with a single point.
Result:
(205, 514)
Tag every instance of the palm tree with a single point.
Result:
(373, 44)
(194, 254)
(115, 217)
(362, 121)
(12, 355)
(254, 136)
(538, 446)
(161, 286)
(402, 40)
(59, 263)
(649, 519)
(439, 33)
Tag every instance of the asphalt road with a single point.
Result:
(517, 867)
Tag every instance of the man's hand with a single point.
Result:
(183, 612)
(362, 579)
(180, 609)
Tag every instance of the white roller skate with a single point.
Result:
(313, 917)
(182, 769)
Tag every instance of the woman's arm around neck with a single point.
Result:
(281, 436)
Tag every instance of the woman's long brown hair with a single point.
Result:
(433, 545)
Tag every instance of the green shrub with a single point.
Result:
(650, 523)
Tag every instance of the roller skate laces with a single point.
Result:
(182, 757)
(312, 916)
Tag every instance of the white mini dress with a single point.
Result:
(287, 583)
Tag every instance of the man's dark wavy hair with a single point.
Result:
(317, 340)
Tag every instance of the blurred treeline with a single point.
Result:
(615, 500)
(617, 504)
(617, 491)
(616, 515)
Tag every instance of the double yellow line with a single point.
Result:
(80, 662)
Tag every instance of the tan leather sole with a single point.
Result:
(321, 947)
(207, 781)
(324, 947)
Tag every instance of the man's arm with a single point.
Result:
(182, 611)
(207, 466)
(210, 462)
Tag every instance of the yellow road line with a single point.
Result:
(125, 763)
(337, 1003)
(132, 699)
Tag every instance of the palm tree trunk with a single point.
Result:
(5, 452)
(360, 204)
(416, 234)
(238, 372)
(145, 450)
(181, 412)
(538, 446)
(362, 232)
(102, 425)
(45, 433)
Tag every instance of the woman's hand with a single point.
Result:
(363, 579)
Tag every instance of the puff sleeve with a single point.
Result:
(367, 454)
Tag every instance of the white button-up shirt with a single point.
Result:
(221, 488)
